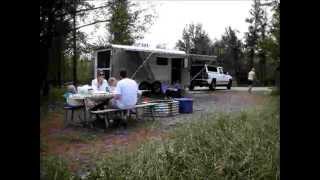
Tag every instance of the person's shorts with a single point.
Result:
(250, 82)
(114, 104)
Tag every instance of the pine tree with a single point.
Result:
(127, 25)
(194, 40)
(256, 33)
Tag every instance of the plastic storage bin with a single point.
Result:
(185, 105)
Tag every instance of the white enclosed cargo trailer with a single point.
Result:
(148, 66)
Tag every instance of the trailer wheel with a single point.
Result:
(144, 86)
(156, 87)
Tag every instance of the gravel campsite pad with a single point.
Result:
(81, 147)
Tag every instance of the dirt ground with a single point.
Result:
(82, 147)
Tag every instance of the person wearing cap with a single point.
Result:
(251, 78)
(100, 84)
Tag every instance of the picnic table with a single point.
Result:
(91, 100)
(94, 99)
(88, 102)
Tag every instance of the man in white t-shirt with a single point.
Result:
(251, 77)
(100, 84)
(126, 92)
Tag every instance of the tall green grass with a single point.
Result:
(241, 145)
(54, 168)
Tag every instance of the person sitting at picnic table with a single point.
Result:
(100, 84)
(126, 92)
(71, 90)
(112, 84)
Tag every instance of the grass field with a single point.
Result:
(238, 145)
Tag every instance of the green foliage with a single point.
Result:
(56, 25)
(194, 40)
(256, 30)
(243, 145)
(55, 99)
(126, 24)
(84, 70)
(272, 43)
(56, 95)
(54, 168)
(275, 91)
(43, 145)
(232, 46)
(262, 43)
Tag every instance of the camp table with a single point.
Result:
(92, 100)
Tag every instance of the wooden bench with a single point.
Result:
(124, 113)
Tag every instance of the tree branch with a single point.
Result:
(95, 22)
(84, 10)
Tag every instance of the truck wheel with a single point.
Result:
(191, 87)
(212, 86)
(229, 84)
(144, 86)
(156, 87)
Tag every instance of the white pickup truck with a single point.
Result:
(210, 76)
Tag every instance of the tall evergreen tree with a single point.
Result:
(194, 40)
(271, 43)
(55, 29)
(233, 48)
(127, 24)
(257, 33)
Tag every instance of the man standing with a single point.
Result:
(126, 92)
(251, 78)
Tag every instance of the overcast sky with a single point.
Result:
(214, 15)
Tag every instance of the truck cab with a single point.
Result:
(209, 76)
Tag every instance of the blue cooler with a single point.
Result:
(185, 105)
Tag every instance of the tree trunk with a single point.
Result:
(45, 47)
(58, 56)
(278, 77)
(251, 58)
(236, 64)
(74, 47)
(45, 83)
(262, 66)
